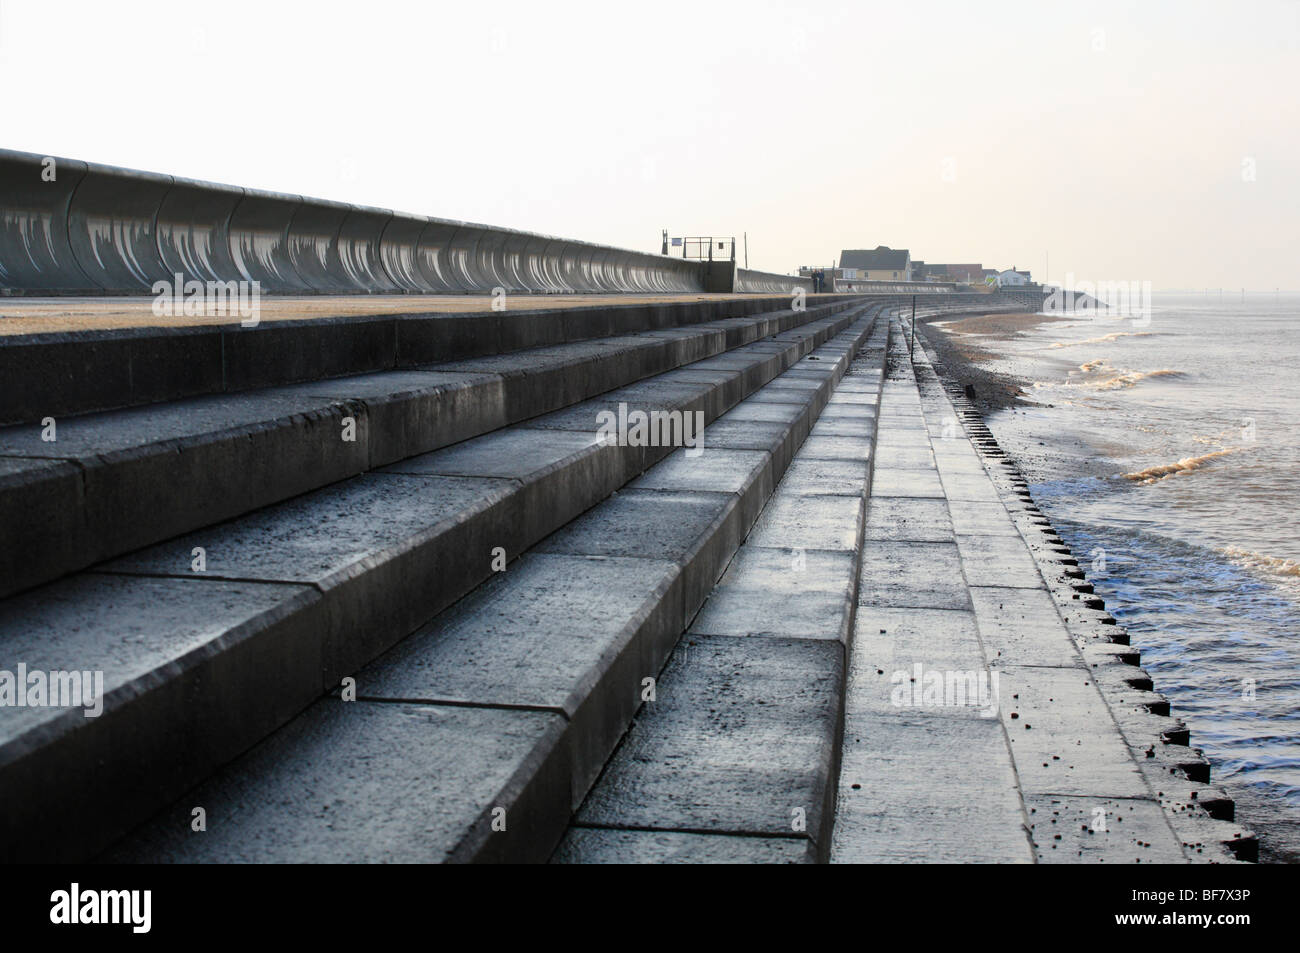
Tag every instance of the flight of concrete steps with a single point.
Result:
(328, 517)
(794, 720)
(353, 608)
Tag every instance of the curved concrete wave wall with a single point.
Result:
(767, 282)
(73, 227)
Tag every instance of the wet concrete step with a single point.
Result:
(735, 758)
(476, 737)
(200, 661)
(112, 482)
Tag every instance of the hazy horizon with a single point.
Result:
(1156, 144)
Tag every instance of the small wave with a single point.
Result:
(1130, 378)
(1185, 465)
(1118, 380)
(1273, 564)
(1212, 439)
(1105, 338)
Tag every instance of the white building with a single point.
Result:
(1012, 278)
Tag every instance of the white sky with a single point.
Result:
(1112, 135)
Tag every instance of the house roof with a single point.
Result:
(880, 258)
(962, 269)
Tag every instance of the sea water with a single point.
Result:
(1167, 454)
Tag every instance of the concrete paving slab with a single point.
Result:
(646, 524)
(1062, 736)
(516, 454)
(1084, 830)
(837, 448)
(908, 519)
(810, 522)
(920, 575)
(358, 782)
(839, 477)
(594, 845)
(956, 459)
(848, 413)
(854, 397)
(746, 434)
(585, 417)
(972, 487)
(1022, 627)
(718, 470)
(738, 739)
(698, 531)
(899, 411)
(921, 787)
(854, 427)
(913, 483)
(768, 410)
(981, 519)
(998, 561)
(887, 642)
(781, 592)
(904, 458)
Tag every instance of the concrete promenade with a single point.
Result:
(1049, 755)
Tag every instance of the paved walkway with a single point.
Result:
(974, 727)
(42, 315)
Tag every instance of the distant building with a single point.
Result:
(881, 263)
(966, 273)
(1011, 278)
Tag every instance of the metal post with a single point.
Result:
(911, 352)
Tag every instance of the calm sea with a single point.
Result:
(1169, 460)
